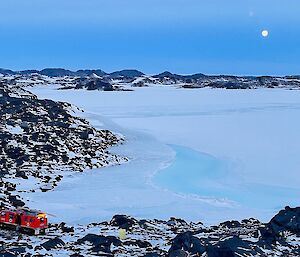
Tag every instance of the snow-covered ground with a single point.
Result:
(248, 141)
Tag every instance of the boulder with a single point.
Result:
(15, 202)
(21, 174)
(230, 247)
(178, 253)
(174, 221)
(122, 221)
(230, 224)
(24, 125)
(66, 229)
(17, 250)
(7, 254)
(152, 255)
(139, 243)
(85, 134)
(187, 242)
(53, 243)
(286, 220)
(100, 243)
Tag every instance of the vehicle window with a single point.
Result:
(3, 214)
(42, 219)
(11, 216)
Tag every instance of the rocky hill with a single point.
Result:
(44, 140)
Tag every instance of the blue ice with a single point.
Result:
(199, 174)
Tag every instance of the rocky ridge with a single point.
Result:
(155, 238)
(128, 79)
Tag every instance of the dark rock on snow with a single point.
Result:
(153, 238)
(187, 242)
(53, 243)
(122, 221)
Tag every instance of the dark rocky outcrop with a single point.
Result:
(66, 229)
(126, 74)
(41, 138)
(286, 220)
(56, 72)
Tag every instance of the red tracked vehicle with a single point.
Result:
(24, 220)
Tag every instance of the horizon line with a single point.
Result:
(152, 74)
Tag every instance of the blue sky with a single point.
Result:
(183, 36)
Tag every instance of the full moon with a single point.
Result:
(265, 33)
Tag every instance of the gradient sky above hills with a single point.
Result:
(183, 36)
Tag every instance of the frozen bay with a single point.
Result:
(254, 133)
